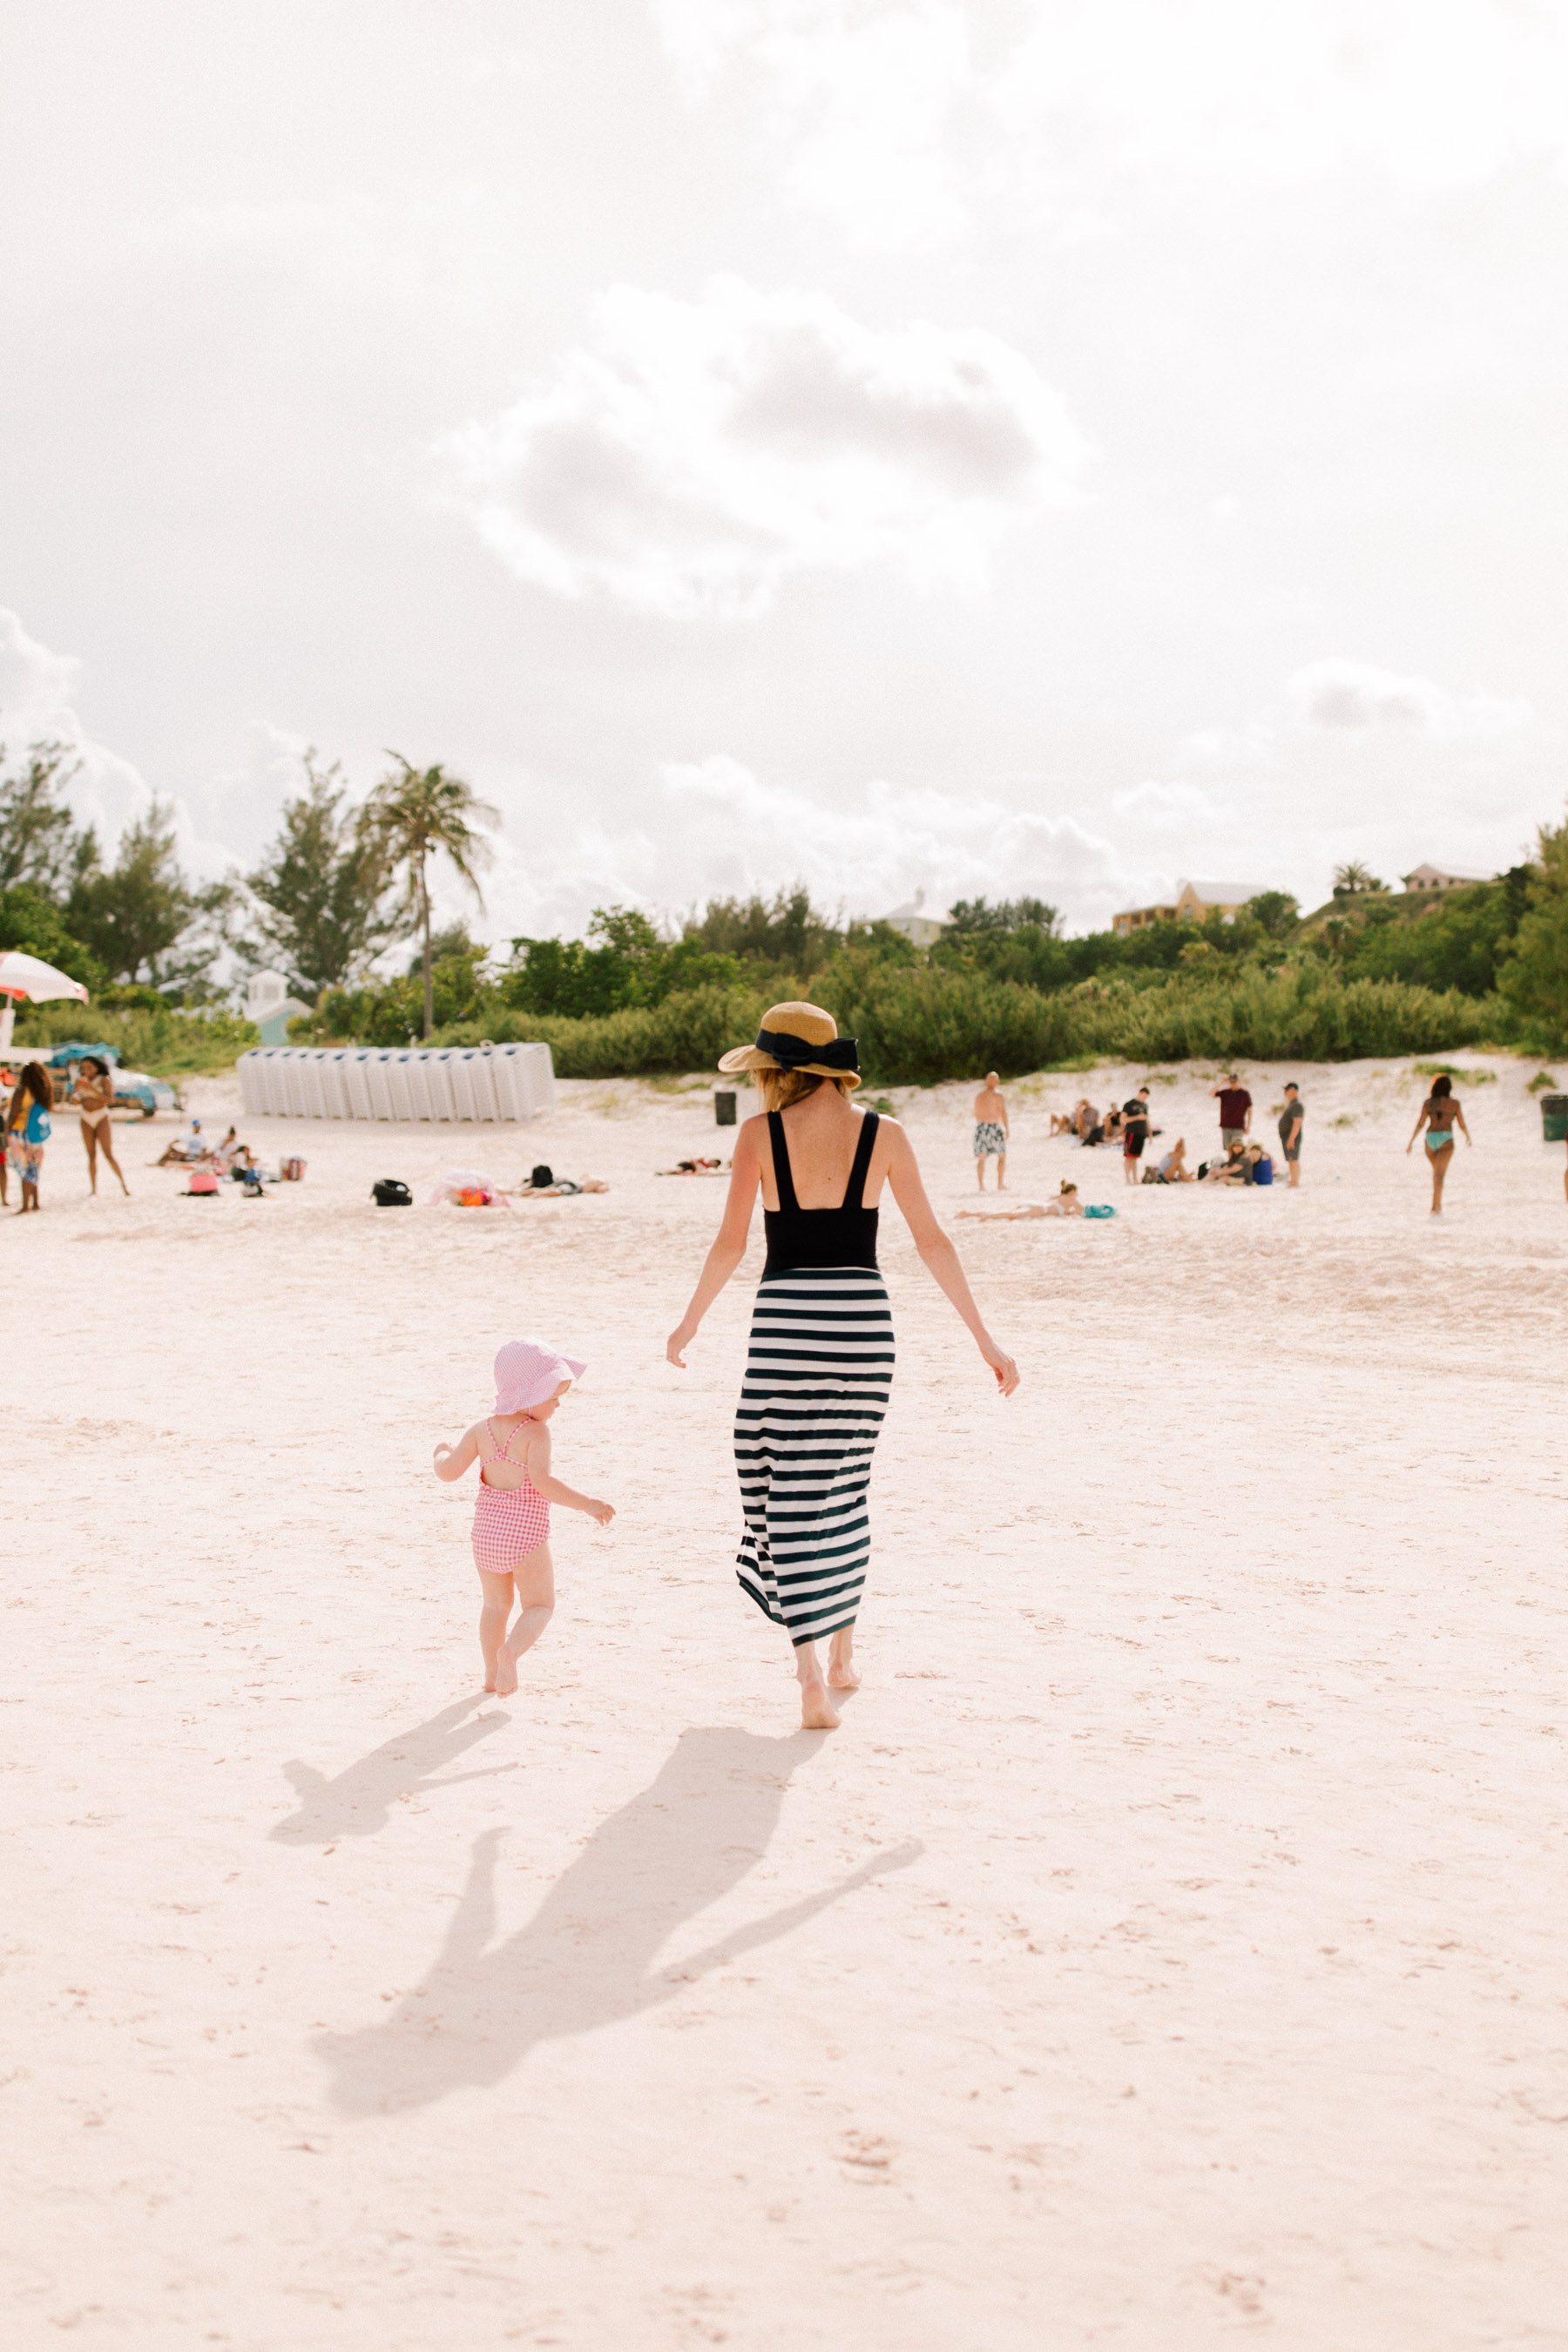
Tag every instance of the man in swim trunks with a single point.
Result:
(991, 1131)
(1290, 1121)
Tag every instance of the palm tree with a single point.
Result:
(1354, 881)
(411, 817)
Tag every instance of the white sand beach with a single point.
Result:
(1169, 1944)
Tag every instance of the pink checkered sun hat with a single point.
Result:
(528, 1373)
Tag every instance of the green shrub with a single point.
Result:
(167, 1042)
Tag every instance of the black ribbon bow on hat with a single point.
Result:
(793, 1052)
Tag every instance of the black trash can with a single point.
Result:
(723, 1107)
(1554, 1119)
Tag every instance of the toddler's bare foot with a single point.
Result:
(506, 1674)
(489, 1678)
(817, 1709)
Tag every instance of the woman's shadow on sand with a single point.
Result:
(359, 1802)
(587, 1958)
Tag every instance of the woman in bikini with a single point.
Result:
(1440, 1114)
(94, 1100)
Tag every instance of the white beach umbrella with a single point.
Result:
(30, 976)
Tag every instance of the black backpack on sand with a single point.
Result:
(391, 1193)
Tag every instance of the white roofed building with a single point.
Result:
(1442, 877)
(912, 919)
(268, 1003)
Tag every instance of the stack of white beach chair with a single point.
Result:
(459, 1083)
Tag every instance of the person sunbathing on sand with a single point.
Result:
(1065, 1205)
(511, 1516)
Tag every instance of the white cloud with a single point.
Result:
(1434, 92)
(857, 99)
(37, 687)
(714, 827)
(694, 454)
(878, 113)
(1169, 804)
(1356, 697)
(36, 693)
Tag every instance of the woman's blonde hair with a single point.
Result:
(779, 1089)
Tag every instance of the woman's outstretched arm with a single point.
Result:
(729, 1245)
(1420, 1123)
(938, 1251)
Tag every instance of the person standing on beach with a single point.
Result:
(991, 1130)
(94, 1103)
(1439, 1115)
(1136, 1135)
(820, 1361)
(1235, 1110)
(1290, 1123)
(27, 1129)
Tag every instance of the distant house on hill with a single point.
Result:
(1442, 877)
(268, 1003)
(915, 923)
(1193, 900)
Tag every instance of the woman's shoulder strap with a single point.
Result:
(853, 1198)
(783, 1178)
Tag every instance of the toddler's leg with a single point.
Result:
(494, 1614)
(535, 1579)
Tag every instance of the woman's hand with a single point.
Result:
(1005, 1369)
(680, 1339)
(1410, 1147)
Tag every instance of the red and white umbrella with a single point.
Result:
(30, 976)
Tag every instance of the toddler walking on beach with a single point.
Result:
(512, 1514)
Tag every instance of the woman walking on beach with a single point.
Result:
(27, 1129)
(820, 1361)
(1440, 1113)
(95, 1102)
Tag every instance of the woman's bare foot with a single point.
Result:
(817, 1709)
(842, 1674)
(506, 1674)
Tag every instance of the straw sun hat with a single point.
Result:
(798, 1038)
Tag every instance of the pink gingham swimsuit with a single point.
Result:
(508, 1522)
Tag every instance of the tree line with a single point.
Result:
(340, 885)
(343, 883)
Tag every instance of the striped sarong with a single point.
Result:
(818, 1371)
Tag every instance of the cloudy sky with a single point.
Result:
(1035, 444)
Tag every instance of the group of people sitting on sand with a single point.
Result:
(229, 1157)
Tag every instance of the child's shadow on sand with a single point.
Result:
(360, 1800)
(587, 1957)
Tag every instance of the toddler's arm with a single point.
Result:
(556, 1490)
(452, 1461)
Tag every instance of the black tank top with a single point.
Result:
(843, 1236)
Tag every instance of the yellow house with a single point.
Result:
(1193, 901)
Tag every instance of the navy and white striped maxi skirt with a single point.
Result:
(818, 1371)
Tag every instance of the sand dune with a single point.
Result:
(1169, 1944)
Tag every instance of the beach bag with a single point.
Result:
(293, 1171)
(391, 1193)
(542, 1176)
(1264, 1172)
(203, 1179)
